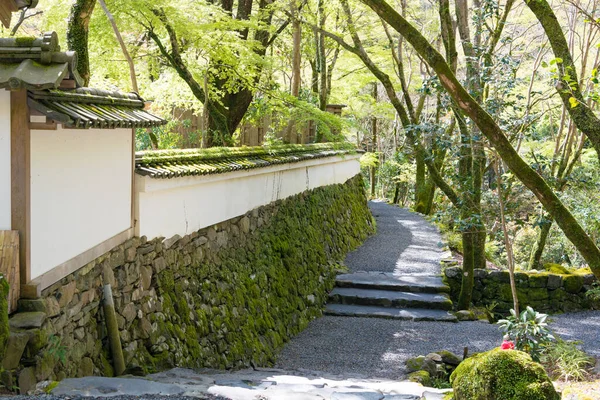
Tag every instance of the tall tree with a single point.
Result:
(231, 91)
(488, 126)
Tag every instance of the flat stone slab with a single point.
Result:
(407, 314)
(390, 281)
(264, 384)
(27, 320)
(390, 298)
(96, 386)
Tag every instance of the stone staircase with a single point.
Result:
(383, 295)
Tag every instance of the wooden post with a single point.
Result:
(20, 143)
(9, 266)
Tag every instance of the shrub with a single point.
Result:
(501, 375)
(529, 330)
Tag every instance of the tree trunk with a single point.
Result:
(466, 288)
(527, 175)
(540, 243)
(567, 88)
(77, 35)
(119, 38)
(297, 37)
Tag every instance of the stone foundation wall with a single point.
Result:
(227, 296)
(545, 292)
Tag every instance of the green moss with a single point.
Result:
(501, 375)
(556, 269)
(51, 386)
(422, 377)
(573, 283)
(24, 41)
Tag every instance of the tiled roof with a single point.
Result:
(93, 108)
(36, 63)
(176, 163)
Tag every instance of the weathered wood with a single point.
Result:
(9, 265)
(21, 179)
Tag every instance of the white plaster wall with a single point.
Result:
(5, 206)
(81, 187)
(166, 207)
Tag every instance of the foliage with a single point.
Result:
(529, 331)
(564, 360)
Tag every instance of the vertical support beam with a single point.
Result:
(20, 142)
(133, 205)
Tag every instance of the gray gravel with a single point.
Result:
(582, 326)
(405, 243)
(378, 348)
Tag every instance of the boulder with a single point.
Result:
(501, 375)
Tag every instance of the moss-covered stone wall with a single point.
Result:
(227, 296)
(544, 291)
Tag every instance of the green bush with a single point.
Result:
(529, 330)
(501, 375)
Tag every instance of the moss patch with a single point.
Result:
(501, 375)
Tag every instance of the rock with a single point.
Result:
(159, 264)
(538, 281)
(422, 377)
(27, 380)
(15, 347)
(145, 277)
(26, 305)
(129, 312)
(501, 375)
(573, 283)
(245, 224)
(66, 293)
(449, 357)
(200, 241)
(434, 357)
(465, 315)
(212, 234)
(27, 320)
(453, 272)
(421, 363)
(52, 306)
(130, 254)
(171, 241)
(86, 367)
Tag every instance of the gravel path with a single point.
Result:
(405, 243)
(378, 348)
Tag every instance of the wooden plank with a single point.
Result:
(20, 141)
(9, 265)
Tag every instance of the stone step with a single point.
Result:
(410, 314)
(390, 298)
(387, 281)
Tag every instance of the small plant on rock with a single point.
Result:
(529, 330)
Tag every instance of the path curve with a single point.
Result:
(405, 244)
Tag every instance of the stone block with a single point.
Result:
(15, 347)
(168, 243)
(66, 293)
(159, 264)
(27, 380)
(538, 281)
(573, 283)
(554, 281)
(28, 320)
(25, 305)
(500, 276)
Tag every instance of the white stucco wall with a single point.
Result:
(5, 219)
(81, 187)
(166, 207)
